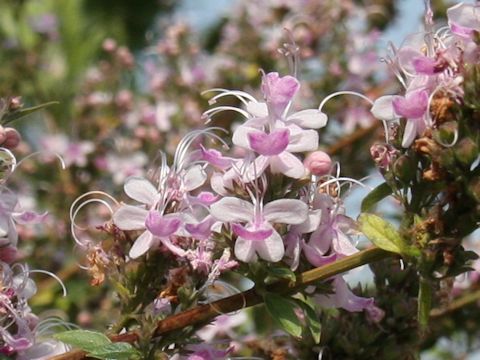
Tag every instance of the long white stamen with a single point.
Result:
(240, 95)
(216, 110)
(346, 92)
(64, 289)
(94, 192)
(57, 155)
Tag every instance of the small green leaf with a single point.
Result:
(313, 321)
(384, 235)
(18, 114)
(376, 195)
(276, 273)
(282, 311)
(86, 340)
(115, 351)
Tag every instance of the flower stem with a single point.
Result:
(205, 313)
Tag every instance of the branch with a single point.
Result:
(456, 304)
(205, 313)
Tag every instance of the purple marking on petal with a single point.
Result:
(161, 226)
(413, 105)
(425, 65)
(215, 158)
(29, 217)
(252, 235)
(207, 198)
(201, 230)
(461, 31)
(269, 144)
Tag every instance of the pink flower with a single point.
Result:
(252, 223)
(344, 298)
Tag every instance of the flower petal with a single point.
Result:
(29, 217)
(303, 140)
(270, 249)
(251, 234)
(194, 178)
(410, 133)
(341, 245)
(286, 211)
(269, 144)
(287, 164)
(309, 118)
(230, 209)
(257, 109)
(413, 105)
(129, 217)
(143, 243)
(256, 168)
(244, 250)
(382, 108)
(141, 190)
(162, 226)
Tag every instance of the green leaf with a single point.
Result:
(384, 235)
(115, 351)
(282, 311)
(376, 195)
(276, 273)
(18, 114)
(313, 321)
(86, 340)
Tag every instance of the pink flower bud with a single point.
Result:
(109, 45)
(12, 138)
(3, 135)
(318, 163)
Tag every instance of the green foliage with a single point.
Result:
(18, 114)
(282, 311)
(376, 195)
(97, 345)
(384, 235)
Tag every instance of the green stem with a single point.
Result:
(424, 303)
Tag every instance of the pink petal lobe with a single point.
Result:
(251, 234)
(162, 226)
(269, 144)
(413, 105)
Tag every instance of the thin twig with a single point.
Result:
(204, 313)
(456, 304)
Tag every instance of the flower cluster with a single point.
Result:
(210, 211)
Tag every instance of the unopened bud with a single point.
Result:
(318, 163)
(12, 138)
(445, 134)
(15, 103)
(404, 169)
(474, 189)
(466, 151)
